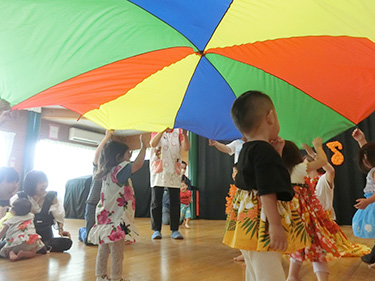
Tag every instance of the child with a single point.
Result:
(94, 194)
(114, 223)
(364, 218)
(259, 221)
(324, 191)
(318, 225)
(21, 239)
(185, 199)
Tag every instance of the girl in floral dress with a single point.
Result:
(319, 225)
(324, 191)
(21, 239)
(115, 210)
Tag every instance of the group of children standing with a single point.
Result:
(274, 207)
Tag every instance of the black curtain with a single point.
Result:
(141, 184)
(76, 192)
(349, 181)
(213, 180)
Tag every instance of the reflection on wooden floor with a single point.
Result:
(200, 256)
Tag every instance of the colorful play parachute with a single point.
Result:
(152, 64)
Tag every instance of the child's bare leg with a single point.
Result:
(101, 261)
(294, 268)
(27, 254)
(321, 270)
(117, 257)
(187, 223)
(22, 255)
(322, 276)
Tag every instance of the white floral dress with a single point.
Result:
(115, 210)
(21, 235)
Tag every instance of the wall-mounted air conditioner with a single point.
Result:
(84, 136)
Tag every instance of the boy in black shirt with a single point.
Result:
(260, 220)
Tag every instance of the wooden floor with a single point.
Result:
(200, 256)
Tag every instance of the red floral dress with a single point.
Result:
(115, 211)
(319, 226)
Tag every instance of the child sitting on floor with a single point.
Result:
(21, 239)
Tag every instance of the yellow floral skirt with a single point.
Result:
(247, 228)
(347, 248)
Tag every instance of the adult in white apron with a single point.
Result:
(165, 172)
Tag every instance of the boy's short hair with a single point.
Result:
(249, 109)
(21, 207)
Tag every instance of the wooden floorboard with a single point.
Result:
(200, 256)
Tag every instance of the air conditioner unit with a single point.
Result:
(84, 136)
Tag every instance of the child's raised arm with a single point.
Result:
(276, 230)
(185, 143)
(359, 136)
(309, 150)
(330, 174)
(107, 137)
(321, 157)
(138, 162)
(328, 168)
(156, 139)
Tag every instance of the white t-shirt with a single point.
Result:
(235, 147)
(324, 192)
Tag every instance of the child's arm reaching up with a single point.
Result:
(330, 171)
(276, 230)
(138, 162)
(107, 137)
(156, 139)
(359, 136)
(330, 174)
(321, 157)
